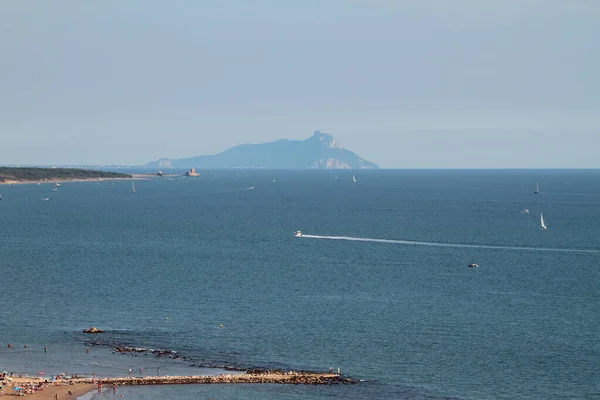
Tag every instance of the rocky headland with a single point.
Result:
(320, 151)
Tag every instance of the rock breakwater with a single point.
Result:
(299, 378)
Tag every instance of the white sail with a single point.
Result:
(537, 188)
(353, 178)
(542, 221)
(132, 187)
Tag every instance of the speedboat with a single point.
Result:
(297, 233)
(473, 265)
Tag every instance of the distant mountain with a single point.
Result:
(320, 151)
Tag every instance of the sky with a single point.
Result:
(403, 83)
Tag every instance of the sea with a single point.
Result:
(203, 275)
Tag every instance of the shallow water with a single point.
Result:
(409, 319)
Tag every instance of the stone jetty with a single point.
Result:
(304, 378)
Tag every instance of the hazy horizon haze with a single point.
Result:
(412, 84)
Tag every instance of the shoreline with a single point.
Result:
(76, 387)
(45, 390)
(35, 182)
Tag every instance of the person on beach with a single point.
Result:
(45, 349)
(129, 371)
(141, 371)
(87, 350)
(158, 371)
(114, 388)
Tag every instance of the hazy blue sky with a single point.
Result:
(406, 84)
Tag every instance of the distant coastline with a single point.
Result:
(16, 175)
(320, 151)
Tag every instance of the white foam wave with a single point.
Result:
(460, 245)
(235, 190)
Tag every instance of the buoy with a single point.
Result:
(220, 325)
(167, 318)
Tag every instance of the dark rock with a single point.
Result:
(93, 329)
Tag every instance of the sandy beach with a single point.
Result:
(40, 388)
(44, 390)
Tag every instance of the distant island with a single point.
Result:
(23, 175)
(320, 151)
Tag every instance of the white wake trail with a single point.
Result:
(439, 244)
(235, 190)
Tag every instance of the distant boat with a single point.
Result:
(45, 198)
(537, 189)
(525, 210)
(473, 265)
(297, 233)
(354, 178)
(542, 221)
(0, 196)
(57, 184)
(132, 187)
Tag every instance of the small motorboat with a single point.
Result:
(473, 265)
(297, 233)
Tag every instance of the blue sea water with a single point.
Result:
(164, 267)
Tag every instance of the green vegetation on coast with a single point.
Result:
(8, 174)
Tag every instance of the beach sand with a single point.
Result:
(78, 389)
(62, 391)
(81, 386)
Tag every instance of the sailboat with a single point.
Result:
(542, 221)
(354, 178)
(132, 187)
(537, 189)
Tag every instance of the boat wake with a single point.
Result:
(235, 190)
(459, 245)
